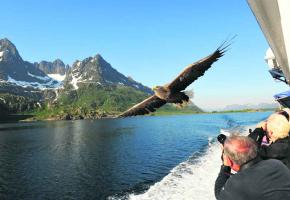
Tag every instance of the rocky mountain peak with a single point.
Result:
(55, 67)
(98, 57)
(58, 63)
(8, 52)
(96, 70)
(16, 72)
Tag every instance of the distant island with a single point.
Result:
(245, 110)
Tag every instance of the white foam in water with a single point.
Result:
(189, 180)
(192, 179)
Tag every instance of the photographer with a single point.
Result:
(276, 129)
(255, 178)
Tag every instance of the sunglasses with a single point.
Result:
(284, 113)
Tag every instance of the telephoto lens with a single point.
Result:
(221, 138)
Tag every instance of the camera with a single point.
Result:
(257, 135)
(221, 138)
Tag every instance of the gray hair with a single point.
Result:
(240, 149)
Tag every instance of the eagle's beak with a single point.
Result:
(154, 88)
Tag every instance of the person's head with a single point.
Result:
(278, 127)
(284, 112)
(238, 150)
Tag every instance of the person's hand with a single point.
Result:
(257, 135)
(263, 125)
(222, 148)
(225, 160)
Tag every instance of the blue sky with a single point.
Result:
(151, 41)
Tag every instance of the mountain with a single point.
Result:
(95, 70)
(8, 52)
(91, 88)
(55, 67)
(251, 106)
(15, 71)
(44, 75)
(171, 109)
(23, 85)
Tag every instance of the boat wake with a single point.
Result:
(192, 179)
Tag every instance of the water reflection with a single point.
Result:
(95, 159)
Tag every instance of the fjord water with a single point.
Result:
(133, 158)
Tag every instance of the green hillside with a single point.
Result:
(93, 102)
(10, 103)
(171, 109)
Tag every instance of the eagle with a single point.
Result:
(174, 91)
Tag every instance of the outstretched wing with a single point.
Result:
(194, 71)
(148, 105)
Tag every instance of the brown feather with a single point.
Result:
(194, 71)
(145, 107)
(184, 79)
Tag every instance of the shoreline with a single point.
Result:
(33, 118)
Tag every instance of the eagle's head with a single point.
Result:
(156, 87)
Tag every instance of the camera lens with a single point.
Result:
(221, 138)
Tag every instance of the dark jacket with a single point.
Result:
(280, 149)
(257, 179)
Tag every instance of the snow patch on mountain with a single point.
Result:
(57, 77)
(43, 78)
(93, 60)
(137, 86)
(2, 100)
(75, 81)
(42, 86)
(1, 54)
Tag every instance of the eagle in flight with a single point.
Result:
(174, 91)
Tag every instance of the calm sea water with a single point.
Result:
(109, 158)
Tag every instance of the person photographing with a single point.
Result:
(272, 138)
(255, 178)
